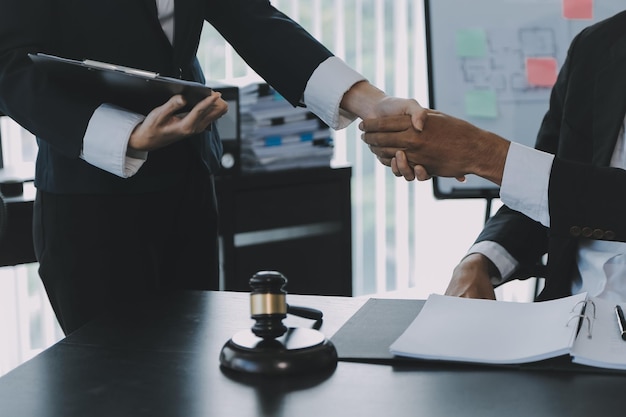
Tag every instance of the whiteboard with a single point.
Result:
(493, 63)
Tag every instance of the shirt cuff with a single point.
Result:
(500, 257)
(523, 189)
(326, 88)
(105, 143)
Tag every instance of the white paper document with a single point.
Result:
(498, 332)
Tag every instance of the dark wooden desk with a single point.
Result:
(160, 357)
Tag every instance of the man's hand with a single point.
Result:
(394, 106)
(367, 102)
(163, 126)
(471, 278)
(447, 147)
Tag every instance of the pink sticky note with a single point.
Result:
(541, 72)
(578, 9)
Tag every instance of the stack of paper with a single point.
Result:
(275, 135)
(499, 332)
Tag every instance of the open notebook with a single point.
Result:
(495, 332)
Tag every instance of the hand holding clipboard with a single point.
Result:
(142, 92)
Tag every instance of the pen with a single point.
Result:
(621, 321)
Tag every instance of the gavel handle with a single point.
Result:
(306, 312)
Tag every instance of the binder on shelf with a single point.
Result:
(317, 137)
(274, 135)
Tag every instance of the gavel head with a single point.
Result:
(268, 304)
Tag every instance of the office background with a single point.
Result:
(404, 239)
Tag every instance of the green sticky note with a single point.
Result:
(471, 43)
(481, 103)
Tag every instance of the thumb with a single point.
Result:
(418, 119)
(174, 104)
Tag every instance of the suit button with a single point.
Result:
(574, 231)
(598, 233)
(609, 235)
(587, 232)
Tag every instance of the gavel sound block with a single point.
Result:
(270, 347)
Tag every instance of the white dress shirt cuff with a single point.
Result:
(500, 257)
(326, 88)
(525, 182)
(106, 141)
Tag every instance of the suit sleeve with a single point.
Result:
(586, 201)
(26, 95)
(524, 239)
(275, 46)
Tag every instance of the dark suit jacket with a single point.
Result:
(127, 32)
(587, 108)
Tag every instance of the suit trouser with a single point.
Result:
(95, 251)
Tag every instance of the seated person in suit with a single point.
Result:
(562, 198)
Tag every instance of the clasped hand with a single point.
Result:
(446, 147)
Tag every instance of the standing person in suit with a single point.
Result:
(125, 200)
(563, 198)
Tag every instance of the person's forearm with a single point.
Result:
(362, 99)
(471, 278)
(367, 101)
(105, 141)
(501, 259)
(326, 88)
(491, 157)
(526, 190)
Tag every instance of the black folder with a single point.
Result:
(367, 335)
(131, 88)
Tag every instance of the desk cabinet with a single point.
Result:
(16, 243)
(297, 222)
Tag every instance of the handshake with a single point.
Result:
(445, 147)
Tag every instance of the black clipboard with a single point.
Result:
(131, 88)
